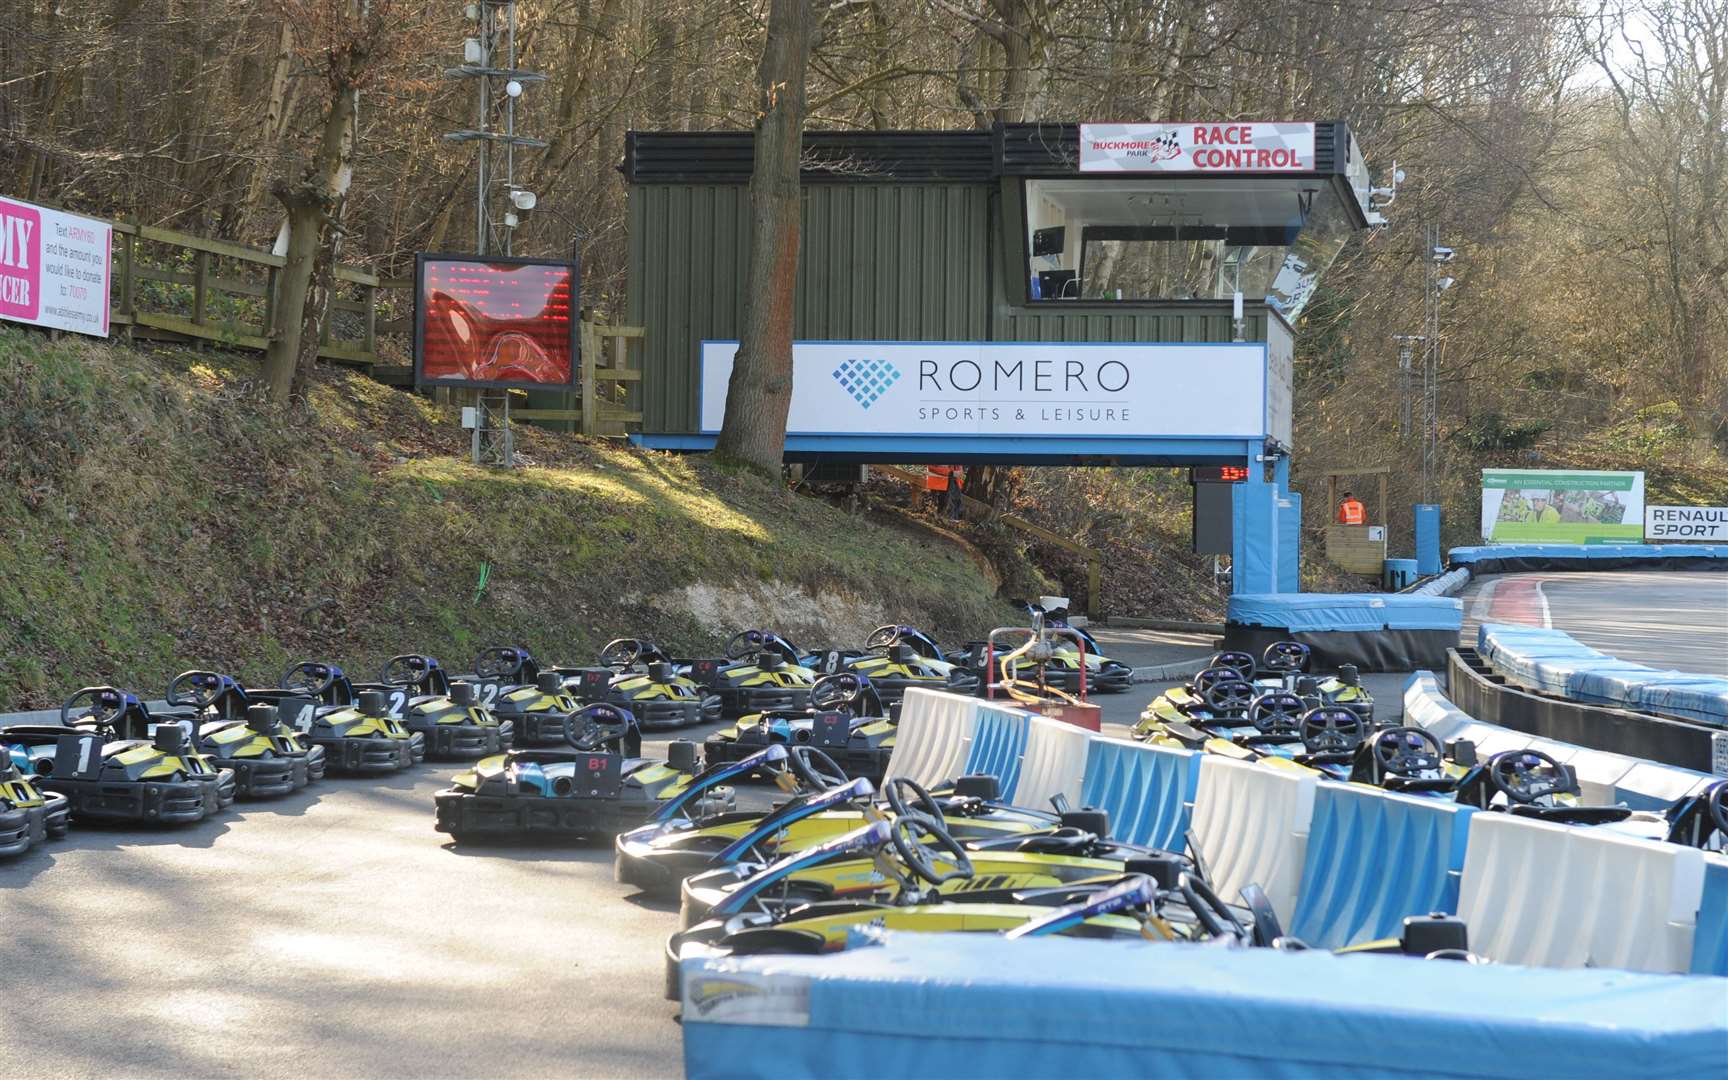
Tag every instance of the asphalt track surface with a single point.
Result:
(334, 933)
(1667, 619)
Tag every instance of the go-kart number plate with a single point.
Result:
(298, 712)
(488, 691)
(594, 684)
(831, 730)
(599, 776)
(78, 757)
(702, 672)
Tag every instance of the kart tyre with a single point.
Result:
(19, 829)
(56, 815)
(317, 763)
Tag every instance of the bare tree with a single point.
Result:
(760, 390)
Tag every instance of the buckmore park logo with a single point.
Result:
(866, 380)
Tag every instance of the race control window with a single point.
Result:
(1113, 239)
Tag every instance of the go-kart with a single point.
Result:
(29, 815)
(267, 757)
(112, 762)
(1227, 685)
(1062, 855)
(895, 659)
(360, 730)
(640, 676)
(536, 702)
(845, 720)
(1162, 901)
(758, 673)
(659, 855)
(448, 718)
(598, 785)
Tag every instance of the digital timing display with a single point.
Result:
(1218, 474)
(494, 322)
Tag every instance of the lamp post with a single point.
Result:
(1435, 255)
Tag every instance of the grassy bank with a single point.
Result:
(159, 516)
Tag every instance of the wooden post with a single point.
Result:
(1331, 497)
(128, 255)
(1094, 571)
(590, 402)
(371, 340)
(1383, 518)
(200, 285)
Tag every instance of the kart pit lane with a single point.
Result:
(1667, 619)
(333, 933)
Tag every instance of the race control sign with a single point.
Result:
(1707, 523)
(54, 268)
(1196, 148)
(1029, 389)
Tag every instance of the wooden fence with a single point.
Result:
(174, 286)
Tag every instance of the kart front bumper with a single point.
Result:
(540, 729)
(22, 828)
(671, 714)
(466, 741)
(368, 755)
(466, 816)
(868, 762)
(263, 778)
(172, 802)
(737, 701)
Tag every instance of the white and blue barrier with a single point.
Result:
(1345, 863)
(1054, 764)
(980, 1005)
(1374, 631)
(1550, 895)
(1448, 584)
(998, 745)
(1710, 941)
(934, 733)
(1554, 662)
(1251, 825)
(1149, 791)
(1373, 859)
(1605, 779)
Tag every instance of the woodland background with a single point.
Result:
(1573, 152)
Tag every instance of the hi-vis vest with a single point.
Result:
(1352, 512)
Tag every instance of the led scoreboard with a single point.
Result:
(494, 322)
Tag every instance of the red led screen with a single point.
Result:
(495, 322)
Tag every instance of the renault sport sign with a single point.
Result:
(1196, 148)
(1035, 389)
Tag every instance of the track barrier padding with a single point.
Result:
(972, 1005)
(1540, 893)
(932, 737)
(999, 745)
(1055, 764)
(1710, 943)
(1553, 662)
(1374, 858)
(1251, 824)
(1147, 790)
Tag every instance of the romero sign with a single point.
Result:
(53, 268)
(1196, 148)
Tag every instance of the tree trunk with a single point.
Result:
(311, 205)
(275, 122)
(760, 391)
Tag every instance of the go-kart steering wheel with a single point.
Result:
(1229, 695)
(1286, 656)
(406, 670)
(309, 677)
(815, 769)
(882, 637)
(919, 855)
(621, 653)
(1331, 730)
(841, 690)
(106, 705)
(195, 689)
(1240, 662)
(745, 644)
(1215, 674)
(1524, 776)
(1405, 751)
(500, 663)
(1277, 713)
(925, 802)
(593, 726)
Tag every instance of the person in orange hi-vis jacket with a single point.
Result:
(1351, 511)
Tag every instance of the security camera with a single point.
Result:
(510, 219)
(1443, 254)
(523, 199)
(1397, 175)
(1445, 283)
